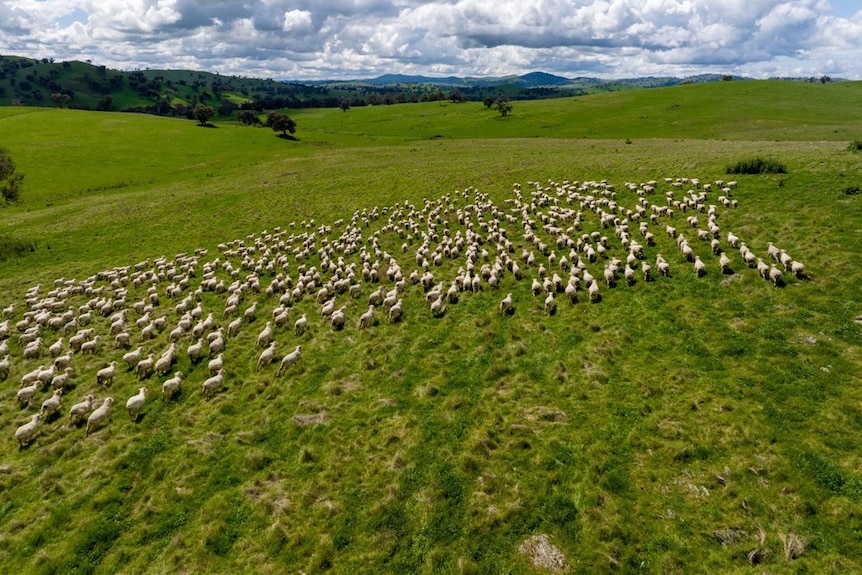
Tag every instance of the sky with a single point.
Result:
(346, 39)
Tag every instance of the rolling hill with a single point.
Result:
(674, 424)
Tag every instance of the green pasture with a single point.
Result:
(685, 425)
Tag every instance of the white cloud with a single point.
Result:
(298, 39)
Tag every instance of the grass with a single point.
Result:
(682, 425)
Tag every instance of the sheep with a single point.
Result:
(785, 259)
(80, 409)
(699, 267)
(122, 340)
(56, 348)
(300, 325)
(798, 269)
(171, 386)
(52, 404)
(135, 404)
(733, 239)
(61, 380)
(25, 394)
(144, 368)
(195, 350)
(106, 375)
(646, 270)
(773, 251)
(289, 360)
(396, 311)
(216, 364)
(594, 291)
(91, 346)
(775, 275)
(366, 318)
(336, 320)
(133, 357)
(250, 312)
(234, 326)
(4, 366)
(724, 264)
(506, 304)
(265, 335)
(267, 355)
(213, 384)
(24, 434)
(550, 304)
(99, 416)
(762, 269)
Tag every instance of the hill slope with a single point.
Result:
(679, 424)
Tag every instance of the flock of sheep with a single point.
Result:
(567, 239)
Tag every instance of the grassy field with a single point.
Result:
(681, 425)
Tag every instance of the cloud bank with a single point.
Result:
(316, 39)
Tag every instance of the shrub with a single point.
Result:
(757, 166)
(855, 146)
(852, 190)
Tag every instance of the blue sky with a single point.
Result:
(316, 39)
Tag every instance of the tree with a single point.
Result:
(457, 96)
(61, 99)
(105, 103)
(204, 113)
(345, 104)
(489, 101)
(10, 180)
(503, 105)
(248, 118)
(281, 123)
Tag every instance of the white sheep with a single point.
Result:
(24, 434)
(724, 263)
(80, 409)
(797, 269)
(550, 304)
(61, 380)
(594, 291)
(366, 318)
(265, 335)
(216, 364)
(135, 404)
(289, 360)
(133, 357)
(300, 325)
(213, 384)
(699, 267)
(396, 311)
(5, 365)
(171, 386)
(268, 355)
(195, 350)
(775, 275)
(106, 375)
(52, 404)
(506, 304)
(26, 393)
(99, 416)
(145, 367)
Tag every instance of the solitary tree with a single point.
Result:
(504, 106)
(345, 104)
(248, 118)
(488, 101)
(10, 180)
(204, 113)
(281, 123)
(61, 99)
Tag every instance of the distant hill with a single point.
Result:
(83, 85)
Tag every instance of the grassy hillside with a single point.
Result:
(679, 425)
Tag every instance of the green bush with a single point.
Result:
(757, 166)
(855, 146)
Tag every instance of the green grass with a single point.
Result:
(675, 427)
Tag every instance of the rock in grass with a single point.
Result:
(543, 555)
